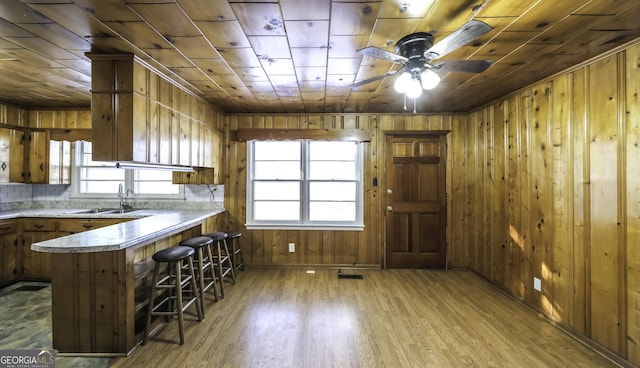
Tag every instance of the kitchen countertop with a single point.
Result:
(144, 226)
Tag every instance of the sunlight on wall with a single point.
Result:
(516, 237)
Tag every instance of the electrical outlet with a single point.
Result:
(292, 247)
(537, 284)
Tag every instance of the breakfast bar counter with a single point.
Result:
(99, 277)
(143, 226)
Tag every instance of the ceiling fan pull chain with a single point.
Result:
(405, 102)
(414, 106)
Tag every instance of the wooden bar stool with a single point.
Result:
(203, 263)
(233, 243)
(222, 260)
(176, 285)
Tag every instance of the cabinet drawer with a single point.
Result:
(38, 225)
(73, 226)
(7, 227)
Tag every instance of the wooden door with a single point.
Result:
(416, 217)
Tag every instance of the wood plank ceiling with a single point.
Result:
(297, 55)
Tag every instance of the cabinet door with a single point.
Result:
(8, 255)
(200, 175)
(11, 155)
(59, 162)
(8, 259)
(5, 154)
(38, 152)
(36, 265)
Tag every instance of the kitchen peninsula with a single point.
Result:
(98, 277)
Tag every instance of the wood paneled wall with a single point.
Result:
(552, 191)
(328, 248)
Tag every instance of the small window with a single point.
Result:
(304, 184)
(98, 179)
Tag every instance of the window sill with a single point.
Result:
(304, 227)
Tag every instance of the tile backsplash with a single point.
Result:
(25, 196)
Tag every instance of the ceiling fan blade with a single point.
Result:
(458, 38)
(382, 76)
(464, 66)
(382, 54)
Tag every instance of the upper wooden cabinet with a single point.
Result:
(30, 156)
(138, 115)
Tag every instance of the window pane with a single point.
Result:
(154, 182)
(328, 170)
(276, 190)
(99, 187)
(332, 211)
(276, 151)
(333, 151)
(96, 173)
(323, 191)
(155, 187)
(153, 175)
(283, 170)
(283, 211)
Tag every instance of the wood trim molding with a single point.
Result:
(416, 133)
(70, 134)
(354, 135)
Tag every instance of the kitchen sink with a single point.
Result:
(107, 210)
(97, 210)
(125, 210)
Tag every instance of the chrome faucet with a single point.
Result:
(124, 204)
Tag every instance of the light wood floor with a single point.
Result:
(391, 318)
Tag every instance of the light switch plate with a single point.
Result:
(292, 247)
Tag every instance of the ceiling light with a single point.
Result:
(429, 79)
(411, 83)
(414, 89)
(402, 83)
(144, 166)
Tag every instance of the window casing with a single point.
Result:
(97, 179)
(304, 184)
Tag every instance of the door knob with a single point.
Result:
(389, 191)
(389, 208)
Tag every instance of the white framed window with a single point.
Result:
(98, 179)
(304, 184)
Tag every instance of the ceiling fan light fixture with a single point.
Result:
(401, 85)
(414, 89)
(430, 79)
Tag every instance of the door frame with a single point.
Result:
(417, 134)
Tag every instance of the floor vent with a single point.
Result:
(349, 276)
